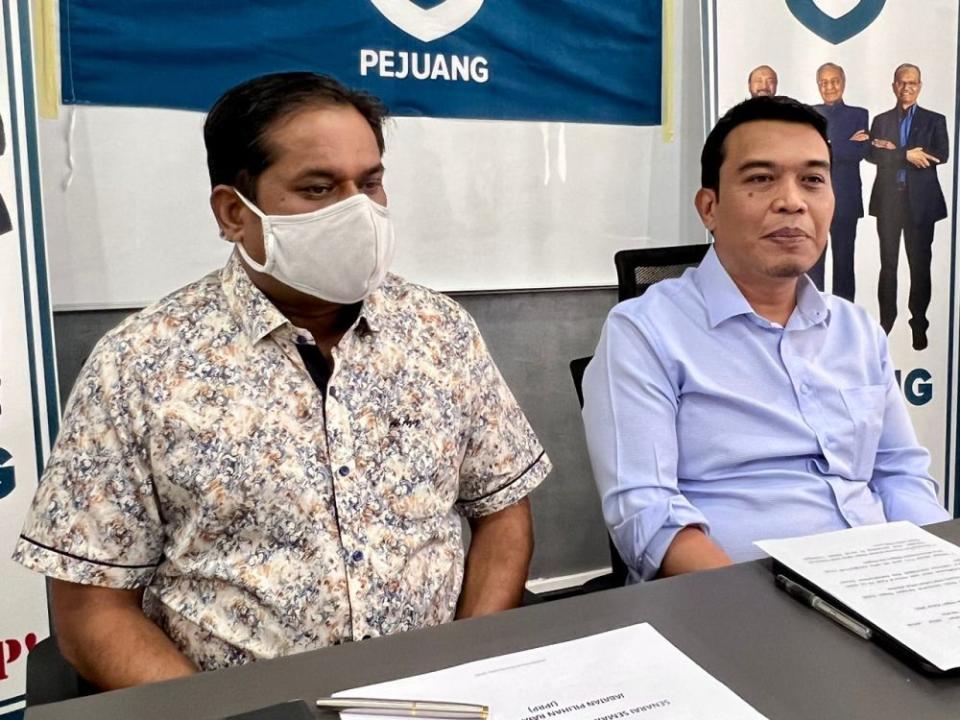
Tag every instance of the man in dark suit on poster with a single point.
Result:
(908, 143)
(847, 130)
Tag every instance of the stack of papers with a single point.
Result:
(632, 673)
(900, 578)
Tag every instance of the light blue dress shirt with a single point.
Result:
(700, 412)
(906, 122)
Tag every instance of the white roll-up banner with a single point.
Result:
(896, 258)
(28, 393)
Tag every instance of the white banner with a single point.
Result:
(478, 204)
(867, 40)
(28, 395)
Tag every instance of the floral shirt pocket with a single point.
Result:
(416, 462)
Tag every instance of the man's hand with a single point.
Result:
(883, 144)
(860, 136)
(692, 550)
(918, 158)
(497, 562)
(104, 634)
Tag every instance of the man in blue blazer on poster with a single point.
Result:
(907, 145)
(847, 130)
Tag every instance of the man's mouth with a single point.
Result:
(788, 233)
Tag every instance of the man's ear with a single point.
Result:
(228, 211)
(706, 201)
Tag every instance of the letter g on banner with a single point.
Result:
(7, 475)
(831, 29)
(429, 23)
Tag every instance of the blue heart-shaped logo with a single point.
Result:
(428, 23)
(836, 30)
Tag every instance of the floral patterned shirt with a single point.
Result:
(198, 460)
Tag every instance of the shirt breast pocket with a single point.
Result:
(416, 465)
(865, 406)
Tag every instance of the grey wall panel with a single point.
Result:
(532, 336)
(75, 334)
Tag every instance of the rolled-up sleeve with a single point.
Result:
(94, 519)
(901, 470)
(629, 415)
(503, 461)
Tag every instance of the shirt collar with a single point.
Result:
(259, 317)
(376, 306)
(811, 306)
(721, 295)
(250, 307)
(724, 300)
(910, 111)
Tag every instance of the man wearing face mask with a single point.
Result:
(277, 457)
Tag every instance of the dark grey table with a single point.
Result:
(787, 661)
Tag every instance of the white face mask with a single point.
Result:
(339, 253)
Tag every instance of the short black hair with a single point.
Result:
(235, 128)
(778, 107)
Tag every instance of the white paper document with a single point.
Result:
(899, 577)
(633, 672)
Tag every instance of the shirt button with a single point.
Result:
(357, 556)
(344, 471)
(804, 388)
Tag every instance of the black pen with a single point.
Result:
(805, 596)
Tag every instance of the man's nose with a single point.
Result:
(789, 198)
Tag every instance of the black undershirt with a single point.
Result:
(316, 365)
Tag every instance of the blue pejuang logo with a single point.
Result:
(836, 30)
(428, 20)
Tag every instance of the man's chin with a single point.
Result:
(787, 270)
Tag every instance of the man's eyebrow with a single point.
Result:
(319, 172)
(769, 165)
(315, 173)
(756, 165)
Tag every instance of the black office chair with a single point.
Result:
(639, 269)
(50, 678)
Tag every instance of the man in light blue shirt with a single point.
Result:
(737, 402)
